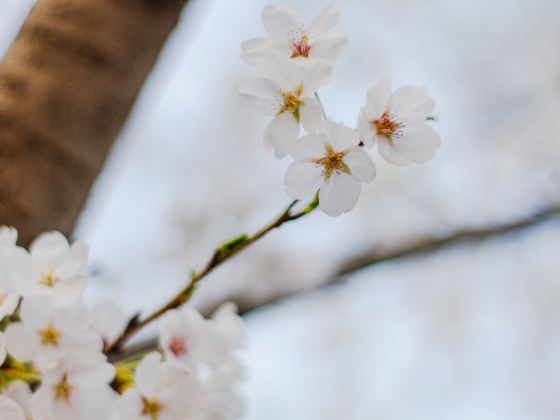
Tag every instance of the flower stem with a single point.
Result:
(322, 107)
(222, 253)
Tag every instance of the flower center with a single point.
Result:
(3, 297)
(388, 126)
(301, 48)
(291, 102)
(49, 336)
(332, 162)
(62, 390)
(178, 346)
(151, 408)
(48, 279)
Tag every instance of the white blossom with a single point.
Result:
(10, 410)
(286, 94)
(56, 268)
(397, 122)
(333, 163)
(75, 391)
(289, 38)
(48, 333)
(189, 339)
(163, 391)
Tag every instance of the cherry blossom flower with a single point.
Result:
(56, 268)
(289, 38)
(189, 339)
(48, 333)
(75, 391)
(333, 163)
(162, 391)
(397, 122)
(10, 410)
(286, 93)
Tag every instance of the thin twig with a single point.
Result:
(419, 247)
(221, 254)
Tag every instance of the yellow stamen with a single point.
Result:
(151, 408)
(62, 390)
(388, 126)
(48, 279)
(332, 162)
(291, 102)
(49, 336)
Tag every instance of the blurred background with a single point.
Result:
(470, 330)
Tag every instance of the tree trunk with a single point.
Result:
(66, 88)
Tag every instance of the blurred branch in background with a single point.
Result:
(67, 86)
(422, 246)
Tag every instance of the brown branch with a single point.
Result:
(369, 258)
(66, 88)
(221, 254)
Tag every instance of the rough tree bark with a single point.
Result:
(66, 87)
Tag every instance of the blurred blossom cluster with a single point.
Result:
(53, 347)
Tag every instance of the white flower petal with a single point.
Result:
(93, 373)
(20, 343)
(8, 235)
(251, 46)
(10, 410)
(3, 352)
(229, 324)
(329, 47)
(390, 153)
(35, 311)
(339, 194)
(280, 22)
(9, 303)
(20, 392)
(68, 290)
(366, 132)
(310, 147)
(342, 137)
(417, 145)
(311, 115)
(260, 94)
(423, 135)
(108, 319)
(324, 22)
(148, 373)
(48, 246)
(360, 164)
(74, 260)
(130, 405)
(314, 76)
(303, 179)
(377, 98)
(281, 134)
(411, 104)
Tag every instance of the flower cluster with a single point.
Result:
(53, 348)
(293, 61)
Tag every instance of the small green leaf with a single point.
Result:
(233, 244)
